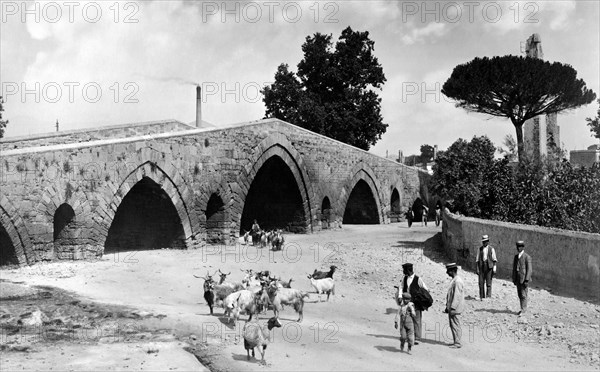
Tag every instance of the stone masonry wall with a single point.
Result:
(94, 177)
(91, 134)
(565, 260)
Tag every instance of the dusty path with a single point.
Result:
(354, 330)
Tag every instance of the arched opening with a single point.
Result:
(145, 219)
(274, 199)
(417, 208)
(361, 207)
(8, 255)
(65, 233)
(395, 213)
(215, 220)
(325, 213)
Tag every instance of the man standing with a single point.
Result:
(521, 275)
(411, 284)
(485, 267)
(455, 303)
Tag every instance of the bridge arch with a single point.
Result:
(17, 247)
(277, 152)
(363, 177)
(155, 179)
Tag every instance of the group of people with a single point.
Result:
(410, 307)
(410, 215)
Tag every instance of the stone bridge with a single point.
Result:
(78, 194)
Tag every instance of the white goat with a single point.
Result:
(326, 285)
(257, 335)
(278, 296)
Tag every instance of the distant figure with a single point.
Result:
(485, 267)
(455, 303)
(424, 214)
(255, 228)
(521, 275)
(405, 316)
(410, 216)
(255, 233)
(438, 213)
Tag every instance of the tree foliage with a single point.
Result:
(543, 193)
(594, 123)
(517, 88)
(2, 122)
(334, 90)
(427, 152)
(510, 149)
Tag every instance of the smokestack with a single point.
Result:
(198, 106)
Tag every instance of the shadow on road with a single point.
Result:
(383, 336)
(391, 349)
(496, 311)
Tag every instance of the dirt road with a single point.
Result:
(353, 331)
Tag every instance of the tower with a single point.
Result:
(542, 132)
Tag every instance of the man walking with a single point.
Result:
(455, 303)
(411, 284)
(485, 267)
(521, 276)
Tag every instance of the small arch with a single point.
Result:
(361, 207)
(146, 218)
(64, 230)
(395, 212)
(8, 254)
(215, 220)
(325, 213)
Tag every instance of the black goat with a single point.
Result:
(324, 274)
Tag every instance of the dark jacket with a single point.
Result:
(522, 269)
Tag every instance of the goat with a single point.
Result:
(263, 239)
(324, 274)
(287, 284)
(278, 296)
(246, 237)
(325, 285)
(257, 335)
(242, 301)
(209, 294)
(278, 240)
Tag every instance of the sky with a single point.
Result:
(96, 63)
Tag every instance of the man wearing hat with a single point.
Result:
(485, 264)
(411, 284)
(521, 275)
(455, 303)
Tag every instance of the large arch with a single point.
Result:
(145, 219)
(274, 199)
(277, 145)
(361, 172)
(152, 172)
(361, 207)
(16, 246)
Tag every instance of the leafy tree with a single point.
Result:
(427, 152)
(334, 90)
(459, 174)
(594, 124)
(2, 122)
(518, 88)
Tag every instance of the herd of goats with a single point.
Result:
(256, 293)
(263, 238)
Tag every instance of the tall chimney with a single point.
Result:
(198, 106)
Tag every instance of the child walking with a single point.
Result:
(406, 313)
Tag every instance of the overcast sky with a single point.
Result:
(143, 58)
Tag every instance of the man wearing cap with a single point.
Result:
(485, 264)
(455, 303)
(521, 276)
(411, 284)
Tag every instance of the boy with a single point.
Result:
(406, 314)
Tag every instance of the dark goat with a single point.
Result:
(209, 294)
(324, 274)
